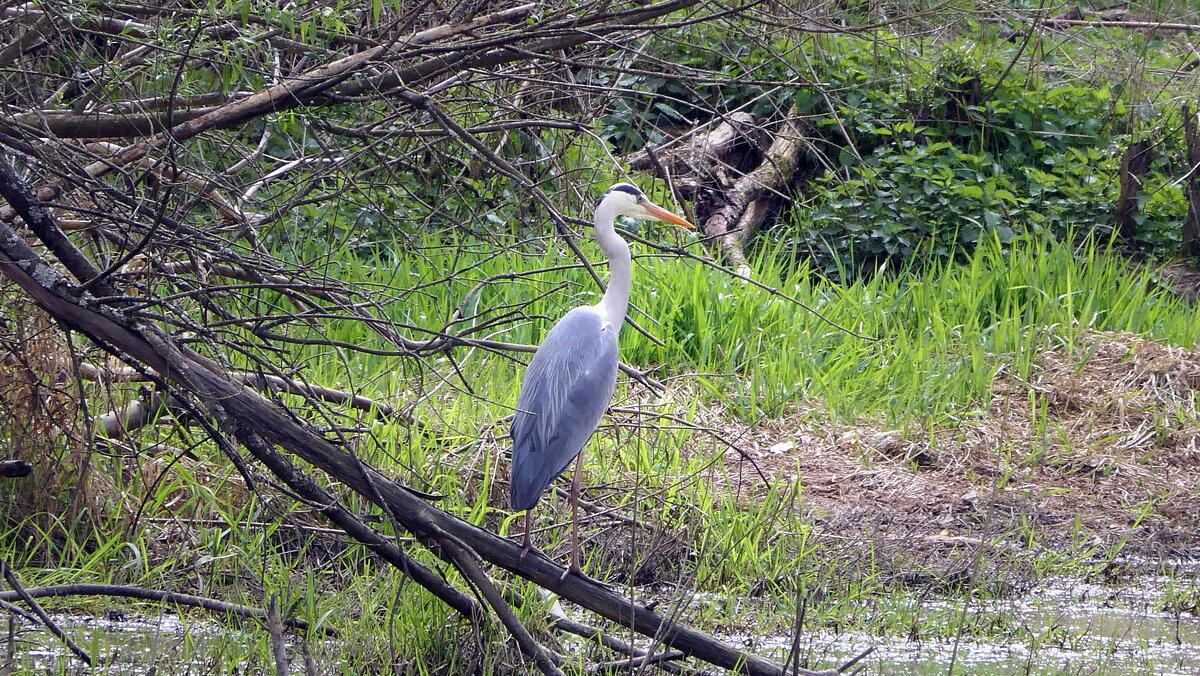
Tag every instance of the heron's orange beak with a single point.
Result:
(664, 215)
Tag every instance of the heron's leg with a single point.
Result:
(527, 542)
(574, 566)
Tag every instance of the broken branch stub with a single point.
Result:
(736, 184)
(1135, 163)
(715, 158)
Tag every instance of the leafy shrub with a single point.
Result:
(926, 199)
(929, 154)
(953, 151)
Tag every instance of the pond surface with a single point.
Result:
(125, 643)
(1065, 626)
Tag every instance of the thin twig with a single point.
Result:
(467, 562)
(17, 611)
(560, 622)
(1151, 25)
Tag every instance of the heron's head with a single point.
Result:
(627, 200)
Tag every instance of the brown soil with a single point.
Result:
(1099, 446)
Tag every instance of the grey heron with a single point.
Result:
(570, 380)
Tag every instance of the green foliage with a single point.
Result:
(928, 199)
(941, 338)
(937, 334)
(935, 144)
(933, 156)
(985, 170)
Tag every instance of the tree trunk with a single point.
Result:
(1191, 226)
(717, 157)
(755, 195)
(1135, 163)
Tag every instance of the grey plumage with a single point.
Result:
(557, 415)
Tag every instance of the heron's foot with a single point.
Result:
(575, 570)
(530, 548)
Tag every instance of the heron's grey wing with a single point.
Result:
(566, 389)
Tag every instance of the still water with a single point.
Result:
(1146, 626)
(1064, 627)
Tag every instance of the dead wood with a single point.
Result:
(30, 37)
(40, 221)
(15, 468)
(330, 84)
(327, 85)
(1074, 18)
(467, 562)
(711, 158)
(560, 622)
(281, 96)
(16, 612)
(736, 183)
(119, 422)
(206, 187)
(754, 196)
(101, 125)
(260, 425)
(1191, 226)
(158, 596)
(314, 495)
(1133, 25)
(259, 381)
(19, 591)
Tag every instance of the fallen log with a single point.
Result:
(1130, 24)
(134, 415)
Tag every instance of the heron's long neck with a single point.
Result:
(620, 265)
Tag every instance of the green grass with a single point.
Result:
(935, 337)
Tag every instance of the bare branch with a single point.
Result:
(174, 598)
(259, 424)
